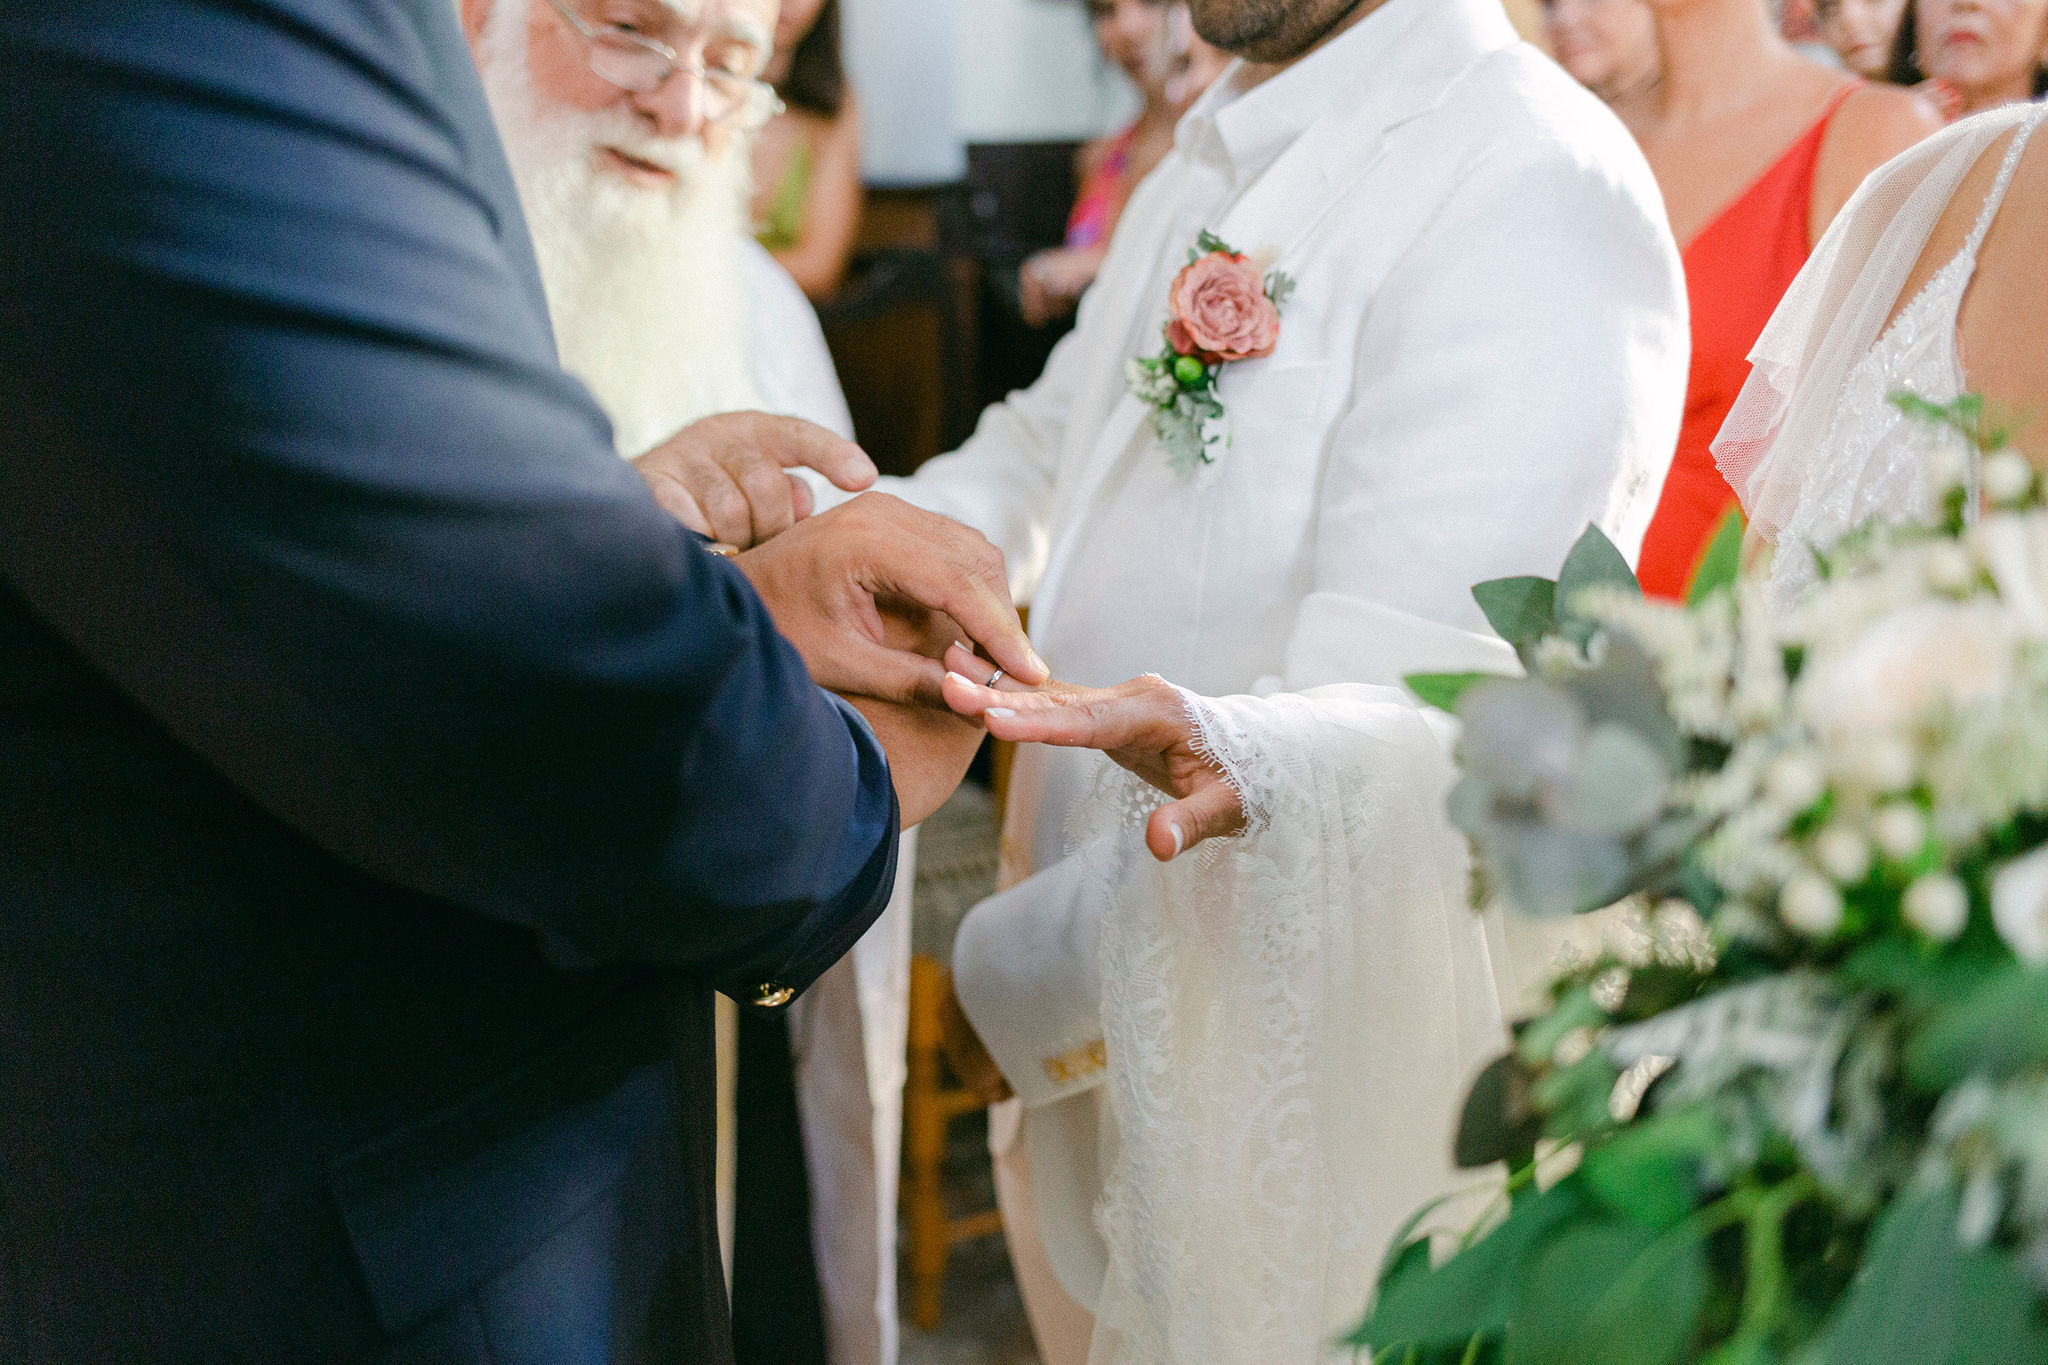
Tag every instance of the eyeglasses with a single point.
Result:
(633, 61)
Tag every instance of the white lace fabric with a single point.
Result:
(1815, 446)
(1290, 1018)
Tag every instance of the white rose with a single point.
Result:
(1937, 905)
(2015, 550)
(1904, 662)
(2019, 905)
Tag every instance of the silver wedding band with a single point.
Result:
(994, 678)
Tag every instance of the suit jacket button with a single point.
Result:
(769, 996)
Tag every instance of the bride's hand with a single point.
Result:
(1143, 725)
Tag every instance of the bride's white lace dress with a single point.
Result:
(1815, 446)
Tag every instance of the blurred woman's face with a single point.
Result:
(1133, 34)
(1861, 33)
(1987, 49)
(1609, 46)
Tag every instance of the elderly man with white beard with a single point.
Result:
(634, 182)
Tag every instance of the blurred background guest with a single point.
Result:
(1609, 46)
(1153, 42)
(807, 183)
(1991, 52)
(1756, 149)
(1861, 32)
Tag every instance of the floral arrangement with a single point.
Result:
(1221, 309)
(1797, 1109)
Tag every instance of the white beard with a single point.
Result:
(645, 285)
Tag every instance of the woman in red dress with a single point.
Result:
(1756, 149)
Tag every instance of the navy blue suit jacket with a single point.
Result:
(385, 781)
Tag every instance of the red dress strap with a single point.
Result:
(1736, 271)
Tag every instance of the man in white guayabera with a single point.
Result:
(634, 180)
(1239, 1069)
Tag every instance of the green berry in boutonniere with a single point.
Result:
(1220, 309)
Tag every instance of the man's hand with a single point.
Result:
(726, 476)
(928, 752)
(830, 579)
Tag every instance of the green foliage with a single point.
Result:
(1499, 1121)
(1721, 561)
(1923, 1299)
(1649, 1173)
(1442, 690)
(1473, 1293)
(1593, 562)
(1520, 610)
(1606, 1292)
(1995, 1031)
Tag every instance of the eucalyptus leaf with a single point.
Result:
(1609, 1293)
(1593, 562)
(1617, 788)
(1520, 610)
(1922, 1299)
(1622, 689)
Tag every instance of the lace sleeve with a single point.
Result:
(1289, 1018)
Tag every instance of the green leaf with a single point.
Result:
(1924, 981)
(1609, 1293)
(1721, 561)
(1442, 690)
(1520, 610)
(1922, 1298)
(1471, 1293)
(1499, 1121)
(1998, 1029)
(1592, 562)
(1645, 1172)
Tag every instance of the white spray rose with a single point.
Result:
(1900, 830)
(1810, 904)
(1937, 905)
(2007, 477)
(2019, 905)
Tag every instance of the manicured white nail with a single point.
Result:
(1003, 711)
(1179, 840)
(1039, 664)
(958, 679)
(962, 647)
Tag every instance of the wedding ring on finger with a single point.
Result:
(994, 678)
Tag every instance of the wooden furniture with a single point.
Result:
(930, 1104)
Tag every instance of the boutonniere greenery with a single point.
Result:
(1221, 309)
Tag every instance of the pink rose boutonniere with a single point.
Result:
(1220, 310)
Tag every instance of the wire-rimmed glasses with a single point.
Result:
(633, 61)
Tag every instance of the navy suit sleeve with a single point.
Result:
(292, 463)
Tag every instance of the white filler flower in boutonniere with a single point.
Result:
(1221, 309)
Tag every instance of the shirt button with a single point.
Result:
(770, 996)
